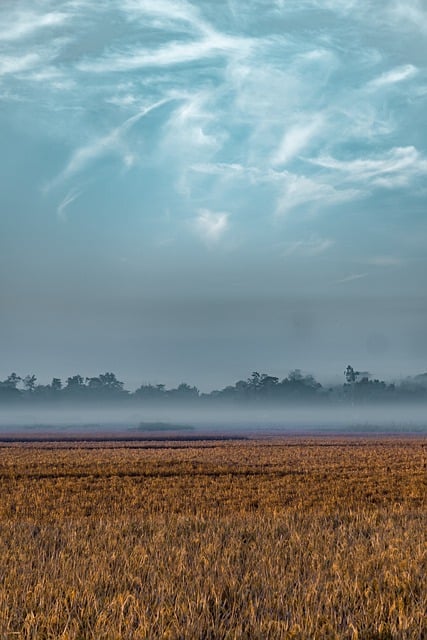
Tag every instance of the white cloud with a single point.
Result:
(340, 6)
(413, 13)
(360, 119)
(52, 77)
(294, 189)
(211, 225)
(297, 138)
(25, 24)
(265, 94)
(394, 168)
(394, 76)
(300, 190)
(192, 132)
(218, 168)
(312, 247)
(110, 143)
(16, 64)
(173, 53)
(166, 14)
(127, 100)
(352, 278)
(67, 200)
(236, 171)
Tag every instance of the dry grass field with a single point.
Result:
(298, 538)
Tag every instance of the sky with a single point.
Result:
(191, 191)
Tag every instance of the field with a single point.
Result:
(257, 539)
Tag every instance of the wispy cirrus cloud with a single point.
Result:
(166, 14)
(412, 13)
(69, 198)
(191, 133)
(297, 138)
(236, 171)
(171, 54)
(112, 142)
(352, 278)
(292, 190)
(170, 16)
(16, 64)
(23, 24)
(310, 247)
(339, 6)
(278, 122)
(395, 167)
(394, 76)
(316, 193)
(210, 226)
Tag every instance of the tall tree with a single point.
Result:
(30, 383)
(12, 380)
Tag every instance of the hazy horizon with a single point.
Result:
(159, 421)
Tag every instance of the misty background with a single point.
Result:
(101, 406)
(193, 191)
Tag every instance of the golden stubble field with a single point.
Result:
(257, 539)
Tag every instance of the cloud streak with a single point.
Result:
(412, 13)
(395, 168)
(302, 191)
(394, 76)
(297, 138)
(172, 54)
(314, 246)
(211, 225)
(17, 64)
(25, 24)
(166, 14)
(109, 143)
(352, 278)
(70, 197)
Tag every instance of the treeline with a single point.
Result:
(357, 388)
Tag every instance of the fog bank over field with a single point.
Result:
(259, 404)
(223, 420)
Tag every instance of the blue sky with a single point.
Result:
(197, 190)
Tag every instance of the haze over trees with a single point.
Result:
(262, 388)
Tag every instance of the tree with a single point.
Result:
(94, 383)
(105, 384)
(75, 381)
(56, 384)
(351, 375)
(268, 385)
(9, 387)
(268, 381)
(184, 391)
(295, 376)
(12, 381)
(109, 381)
(255, 380)
(30, 383)
(299, 386)
(150, 392)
